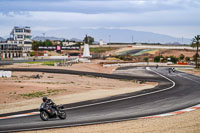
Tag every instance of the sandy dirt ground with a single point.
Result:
(94, 66)
(21, 91)
(177, 53)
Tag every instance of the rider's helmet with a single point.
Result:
(44, 99)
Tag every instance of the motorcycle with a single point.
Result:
(47, 112)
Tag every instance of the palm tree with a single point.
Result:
(196, 43)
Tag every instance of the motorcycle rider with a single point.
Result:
(49, 102)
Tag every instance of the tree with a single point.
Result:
(36, 44)
(195, 58)
(89, 40)
(181, 56)
(47, 43)
(187, 59)
(196, 43)
(146, 59)
(158, 58)
(172, 59)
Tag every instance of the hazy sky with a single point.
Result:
(178, 18)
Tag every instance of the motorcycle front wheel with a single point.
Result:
(44, 116)
(62, 115)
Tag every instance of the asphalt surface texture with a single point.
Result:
(175, 91)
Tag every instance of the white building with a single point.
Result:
(101, 42)
(68, 43)
(22, 37)
(9, 51)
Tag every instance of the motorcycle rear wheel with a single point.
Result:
(44, 116)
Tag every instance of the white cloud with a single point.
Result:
(143, 14)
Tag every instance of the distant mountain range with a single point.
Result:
(41, 38)
(2, 39)
(109, 35)
(116, 36)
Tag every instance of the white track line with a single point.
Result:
(120, 99)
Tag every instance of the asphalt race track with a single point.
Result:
(175, 91)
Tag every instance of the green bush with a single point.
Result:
(146, 59)
(33, 95)
(157, 58)
(173, 59)
(102, 49)
(181, 56)
(187, 59)
(33, 53)
(124, 57)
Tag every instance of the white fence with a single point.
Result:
(135, 64)
(6, 74)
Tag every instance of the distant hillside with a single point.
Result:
(2, 39)
(75, 40)
(119, 36)
(41, 38)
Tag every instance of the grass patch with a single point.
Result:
(87, 87)
(33, 95)
(48, 63)
(42, 93)
(86, 75)
(35, 62)
(198, 69)
(55, 92)
(102, 49)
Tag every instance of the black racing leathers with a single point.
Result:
(52, 105)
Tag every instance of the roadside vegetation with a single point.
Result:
(102, 49)
(125, 57)
(173, 59)
(196, 43)
(36, 44)
(48, 63)
(37, 94)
